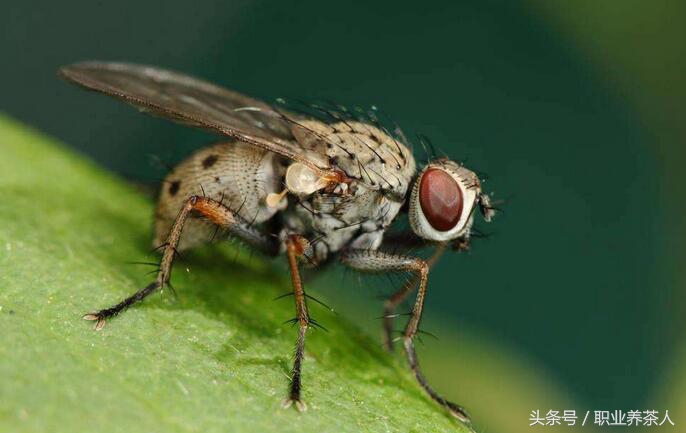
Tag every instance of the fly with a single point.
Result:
(288, 183)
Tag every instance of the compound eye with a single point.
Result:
(441, 199)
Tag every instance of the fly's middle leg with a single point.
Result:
(206, 207)
(297, 247)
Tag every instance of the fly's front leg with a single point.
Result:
(398, 297)
(211, 209)
(378, 261)
(297, 247)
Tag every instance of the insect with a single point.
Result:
(313, 188)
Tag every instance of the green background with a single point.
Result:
(574, 110)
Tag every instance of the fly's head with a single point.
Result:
(443, 199)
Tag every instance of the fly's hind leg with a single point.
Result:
(378, 261)
(214, 211)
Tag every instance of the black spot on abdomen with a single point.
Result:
(209, 161)
(174, 187)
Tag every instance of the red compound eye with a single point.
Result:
(440, 198)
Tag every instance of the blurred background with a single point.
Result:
(573, 110)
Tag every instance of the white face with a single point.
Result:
(443, 200)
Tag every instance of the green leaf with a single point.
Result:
(215, 359)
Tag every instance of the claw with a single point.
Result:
(458, 412)
(93, 317)
(300, 405)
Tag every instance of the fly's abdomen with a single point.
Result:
(237, 173)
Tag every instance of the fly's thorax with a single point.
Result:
(378, 171)
(364, 152)
(357, 219)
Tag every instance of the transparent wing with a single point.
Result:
(196, 103)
